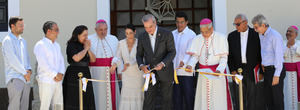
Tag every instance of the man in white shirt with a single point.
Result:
(184, 91)
(51, 68)
(17, 66)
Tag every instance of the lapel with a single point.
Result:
(248, 44)
(148, 43)
(157, 40)
(239, 47)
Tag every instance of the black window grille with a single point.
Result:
(131, 11)
(3, 15)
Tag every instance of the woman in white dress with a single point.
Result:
(132, 96)
(291, 63)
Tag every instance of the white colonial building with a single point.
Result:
(70, 13)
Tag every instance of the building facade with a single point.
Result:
(70, 13)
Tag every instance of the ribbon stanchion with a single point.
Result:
(240, 70)
(80, 92)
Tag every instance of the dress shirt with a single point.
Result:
(182, 43)
(152, 39)
(272, 50)
(16, 59)
(50, 60)
(244, 40)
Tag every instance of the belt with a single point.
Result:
(80, 64)
(269, 67)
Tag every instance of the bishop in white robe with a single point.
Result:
(104, 46)
(210, 49)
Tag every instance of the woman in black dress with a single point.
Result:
(79, 56)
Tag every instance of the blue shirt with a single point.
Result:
(16, 59)
(272, 50)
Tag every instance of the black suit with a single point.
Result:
(164, 52)
(253, 58)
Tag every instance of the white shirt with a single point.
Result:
(244, 40)
(50, 60)
(153, 38)
(16, 59)
(182, 43)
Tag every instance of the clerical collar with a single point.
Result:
(243, 33)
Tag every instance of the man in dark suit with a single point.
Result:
(244, 52)
(156, 50)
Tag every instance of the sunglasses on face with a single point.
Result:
(237, 24)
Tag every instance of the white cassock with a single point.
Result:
(291, 57)
(212, 54)
(106, 94)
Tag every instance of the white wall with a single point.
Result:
(280, 13)
(219, 16)
(67, 13)
(103, 11)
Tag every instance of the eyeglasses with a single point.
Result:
(56, 30)
(237, 24)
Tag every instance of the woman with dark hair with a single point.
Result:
(79, 56)
(132, 96)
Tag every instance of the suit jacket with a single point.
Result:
(164, 51)
(253, 55)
